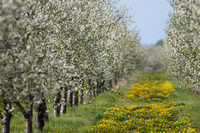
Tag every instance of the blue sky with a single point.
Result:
(150, 18)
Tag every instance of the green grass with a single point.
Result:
(78, 119)
(81, 118)
(185, 95)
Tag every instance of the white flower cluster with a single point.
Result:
(182, 49)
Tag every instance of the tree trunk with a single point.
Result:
(56, 106)
(80, 100)
(98, 87)
(75, 98)
(116, 81)
(89, 96)
(99, 91)
(93, 93)
(46, 115)
(197, 91)
(41, 112)
(28, 125)
(5, 121)
(69, 97)
(113, 83)
(28, 119)
(110, 84)
(101, 86)
(1, 116)
(64, 101)
(28, 115)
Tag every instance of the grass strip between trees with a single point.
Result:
(185, 95)
(150, 109)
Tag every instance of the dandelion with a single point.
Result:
(157, 113)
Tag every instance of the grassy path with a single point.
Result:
(151, 104)
(149, 108)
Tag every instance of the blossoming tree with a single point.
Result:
(182, 46)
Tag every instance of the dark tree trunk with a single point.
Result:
(69, 97)
(5, 121)
(101, 86)
(64, 101)
(46, 115)
(75, 98)
(28, 125)
(28, 119)
(80, 100)
(110, 84)
(98, 88)
(56, 106)
(99, 91)
(41, 112)
(116, 81)
(28, 115)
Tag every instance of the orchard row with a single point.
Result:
(182, 48)
(53, 46)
